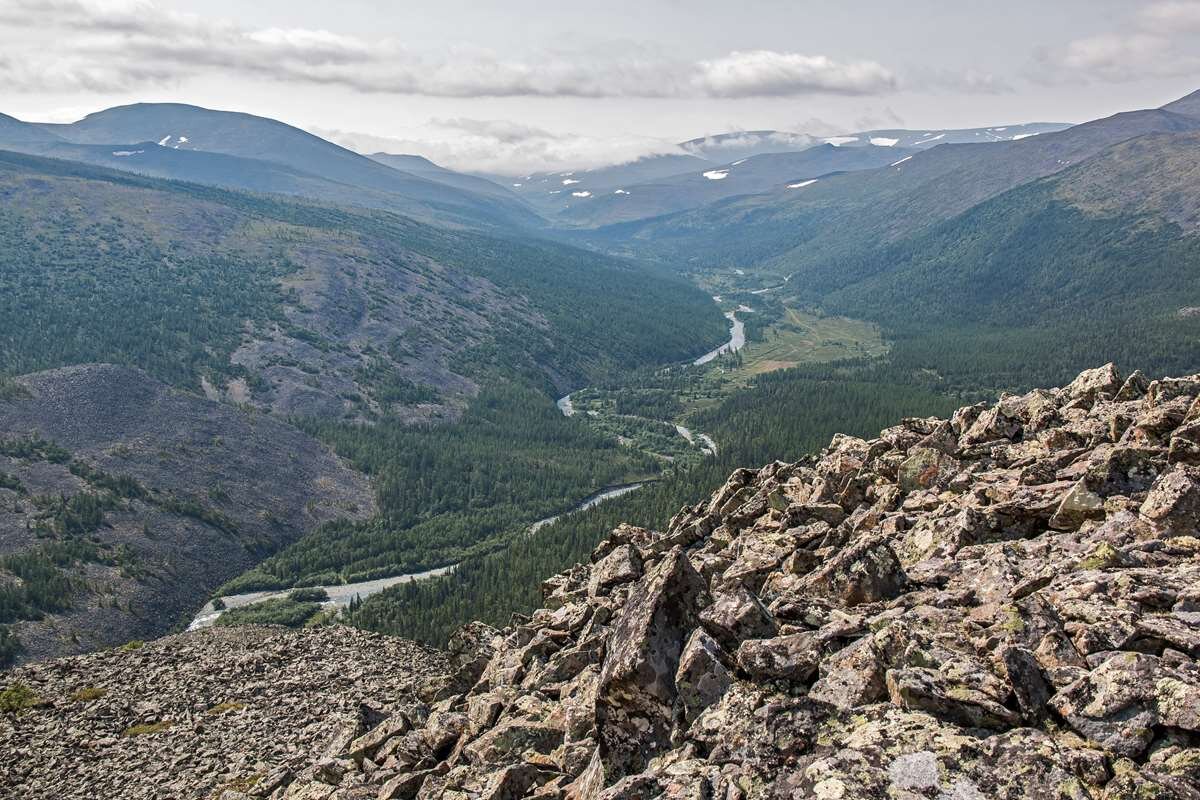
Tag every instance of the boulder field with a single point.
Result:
(1000, 605)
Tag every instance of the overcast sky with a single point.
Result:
(521, 84)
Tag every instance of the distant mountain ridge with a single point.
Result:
(272, 157)
(748, 176)
(669, 183)
(791, 230)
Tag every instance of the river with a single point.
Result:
(592, 501)
(737, 336)
(340, 594)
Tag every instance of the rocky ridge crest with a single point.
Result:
(1004, 604)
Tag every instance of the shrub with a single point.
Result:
(313, 595)
(147, 728)
(280, 611)
(16, 697)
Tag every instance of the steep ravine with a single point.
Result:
(1004, 604)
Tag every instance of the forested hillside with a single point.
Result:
(123, 503)
(800, 230)
(306, 309)
(783, 416)
(352, 323)
(1097, 262)
(453, 491)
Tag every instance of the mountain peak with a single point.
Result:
(1188, 106)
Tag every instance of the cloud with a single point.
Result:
(1171, 17)
(713, 146)
(968, 81)
(766, 73)
(107, 45)
(820, 128)
(504, 148)
(1160, 41)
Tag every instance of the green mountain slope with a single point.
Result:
(307, 309)
(1104, 256)
(802, 230)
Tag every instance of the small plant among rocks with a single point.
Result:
(17, 697)
(88, 693)
(147, 728)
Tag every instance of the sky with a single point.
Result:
(514, 86)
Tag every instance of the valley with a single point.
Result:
(569, 401)
(425, 358)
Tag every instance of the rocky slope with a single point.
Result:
(198, 715)
(124, 503)
(1005, 604)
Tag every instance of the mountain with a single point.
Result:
(178, 127)
(1112, 233)
(305, 309)
(807, 230)
(424, 168)
(14, 131)
(223, 312)
(235, 172)
(667, 183)
(900, 137)
(991, 604)
(752, 175)
(123, 501)
(550, 192)
(1188, 106)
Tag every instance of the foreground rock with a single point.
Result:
(204, 715)
(1005, 604)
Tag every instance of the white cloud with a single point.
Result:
(504, 148)
(119, 45)
(1159, 41)
(1171, 17)
(714, 147)
(766, 73)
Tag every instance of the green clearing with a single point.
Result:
(640, 411)
(805, 337)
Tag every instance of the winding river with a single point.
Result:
(340, 594)
(592, 501)
(737, 336)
